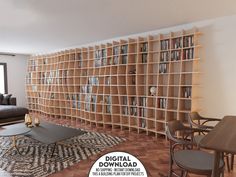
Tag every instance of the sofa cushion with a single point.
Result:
(6, 99)
(9, 111)
(1, 98)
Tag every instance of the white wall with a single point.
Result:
(219, 67)
(16, 73)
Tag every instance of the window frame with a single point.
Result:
(5, 77)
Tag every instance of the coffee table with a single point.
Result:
(49, 133)
(12, 131)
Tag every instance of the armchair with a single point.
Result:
(187, 159)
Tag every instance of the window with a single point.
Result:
(3, 78)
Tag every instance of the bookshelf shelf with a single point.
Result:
(139, 84)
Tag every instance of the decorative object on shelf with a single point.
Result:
(28, 120)
(153, 91)
(36, 121)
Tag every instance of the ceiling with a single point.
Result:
(41, 26)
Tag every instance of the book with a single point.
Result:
(116, 50)
(162, 68)
(144, 47)
(73, 98)
(162, 103)
(187, 92)
(93, 103)
(165, 44)
(164, 56)
(144, 57)
(116, 60)
(124, 59)
(124, 49)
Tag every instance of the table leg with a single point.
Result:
(13, 145)
(216, 170)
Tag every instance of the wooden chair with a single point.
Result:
(187, 159)
(199, 122)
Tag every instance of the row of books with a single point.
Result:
(188, 53)
(116, 50)
(165, 44)
(100, 62)
(162, 103)
(93, 80)
(163, 68)
(124, 49)
(143, 111)
(175, 55)
(176, 43)
(91, 100)
(144, 47)
(133, 107)
(124, 105)
(86, 88)
(164, 56)
(187, 92)
(188, 41)
(142, 123)
(98, 54)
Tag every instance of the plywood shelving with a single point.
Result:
(114, 84)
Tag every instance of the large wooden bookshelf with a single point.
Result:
(114, 84)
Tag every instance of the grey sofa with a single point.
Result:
(10, 113)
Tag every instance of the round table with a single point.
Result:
(13, 131)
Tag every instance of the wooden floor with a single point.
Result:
(151, 151)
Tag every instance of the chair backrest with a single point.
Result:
(195, 116)
(184, 137)
(192, 117)
(175, 141)
(172, 127)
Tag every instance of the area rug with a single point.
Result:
(36, 160)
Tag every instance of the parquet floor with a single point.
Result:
(151, 151)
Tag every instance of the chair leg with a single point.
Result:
(227, 162)
(182, 173)
(232, 162)
(222, 173)
(185, 174)
(170, 167)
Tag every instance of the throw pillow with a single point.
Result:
(6, 99)
(1, 98)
